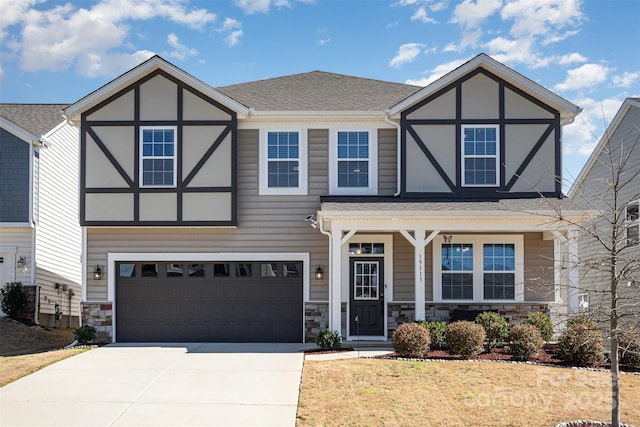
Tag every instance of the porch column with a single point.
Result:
(335, 295)
(419, 242)
(572, 274)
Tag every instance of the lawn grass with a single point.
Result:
(375, 392)
(16, 367)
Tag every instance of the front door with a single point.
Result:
(366, 300)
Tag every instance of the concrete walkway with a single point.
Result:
(162, 385)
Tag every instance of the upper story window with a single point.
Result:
(283, 162)
(632, 223)
(157, 156)
(480, 155)
(478, 268)
(353, 161)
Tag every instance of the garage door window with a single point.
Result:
(243, 270)
(290, 270)
(149, 270)
(196, 270)
(174, 270)
(221, 270)
(268, 270)
(127, 270)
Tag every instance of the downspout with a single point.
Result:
(398, 152)
(330, 273)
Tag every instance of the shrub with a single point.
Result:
(525, 342)
(629, 347)
(465, 338)
(85, 334)
(495, 326)
(328, 340)
(542, 322)
(411, 340)
(437, 333)
(581, 343)
(14, 300)
(580, 318)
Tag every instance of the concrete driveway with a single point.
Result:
(161, 385)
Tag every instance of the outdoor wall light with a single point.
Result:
(97, 274)
(22, 264)
(319, 273)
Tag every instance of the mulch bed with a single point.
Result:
(546, 356)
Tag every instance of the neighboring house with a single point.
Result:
(40, 238)
(617, 150)
(269, 210)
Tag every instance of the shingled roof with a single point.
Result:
(319, 91)
(37, 119)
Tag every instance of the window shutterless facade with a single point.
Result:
(480, 155)
(478, 268)
(157, 156)
(353, 162)
(283, 162)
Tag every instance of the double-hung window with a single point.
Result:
(157, 156)
(480, 156)
(283, 162)
(478, 268)
(353, 162)
(632, 223)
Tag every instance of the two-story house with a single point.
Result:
(268, 210)
(40, 238)
(610, 183)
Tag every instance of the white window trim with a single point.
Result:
(372, 189)
(174, 157)
(478, 280)
(263, 187)
(628, 224)
(497, 155)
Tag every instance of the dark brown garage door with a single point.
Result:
(209, 302)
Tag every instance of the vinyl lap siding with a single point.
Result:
(538, 268)
(387, 162)
(265, 223)
(58, 233)
(21, 240)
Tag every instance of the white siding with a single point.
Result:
(58, 234)
(19, 238)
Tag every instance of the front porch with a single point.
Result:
(392, 253)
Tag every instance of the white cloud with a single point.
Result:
(233, 29)
(406, 53)
(65, 36)
(470, 14)
(180, 51)
(12, 12)
(587, 75)
(93, 65)
(626, 79)
(253, 6)
(571, 58)
(581, 137)
(437, 72)
(541, 17)
(422, 16)
(323, 42)
(436, 7)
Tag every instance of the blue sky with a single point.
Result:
(587, 51)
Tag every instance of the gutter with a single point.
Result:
(398, 153)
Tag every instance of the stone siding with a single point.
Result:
(397, 314)
(99, 315)
(316, 318)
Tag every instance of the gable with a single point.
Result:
(186, 177)
(525, 157)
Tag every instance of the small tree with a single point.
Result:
(14, 300)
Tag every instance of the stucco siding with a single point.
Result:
(120, 108)
(539, 174)
(441, 107)
(158, 99)
(480, 98)
(517, 107)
